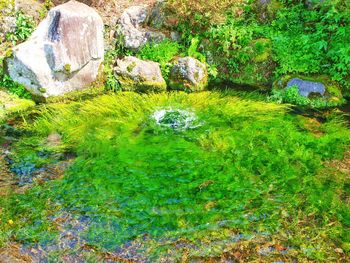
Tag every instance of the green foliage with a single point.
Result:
(313, 41)
(24, 28)
(202, 14)
(300, 39)
(162, 53)
(193, 50)
(291, 95)
(11, 104)
(251, 167)
(6, 3)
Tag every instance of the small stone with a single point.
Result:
(339, 250)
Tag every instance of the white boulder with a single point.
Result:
(63, 54)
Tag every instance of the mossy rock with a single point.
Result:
(256, 71)
(332, 89)
(138, 75)
(188, 74)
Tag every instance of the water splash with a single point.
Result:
(176, 119)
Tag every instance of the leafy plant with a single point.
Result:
(313, 41)
(24, 27)
(47, 5)
(111, 82)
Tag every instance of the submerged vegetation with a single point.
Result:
(250, 169)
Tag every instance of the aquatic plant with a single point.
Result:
(250, 169)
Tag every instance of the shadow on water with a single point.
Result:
(346, 110)
(321, 115)
(227, 85)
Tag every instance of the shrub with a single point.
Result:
(162, 53)
(111, 82)
(313, 41)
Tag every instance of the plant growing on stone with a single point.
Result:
(291, 95)
(13, 87)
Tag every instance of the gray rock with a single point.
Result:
(138, 75)
(63, 54)
(306, 88)
(130, 28)
(188, 74)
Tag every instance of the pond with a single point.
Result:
(166, 175)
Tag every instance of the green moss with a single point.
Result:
(86, 93)
(67, 68)
(9, 53)
(131, 67)
(5, 4)
(42, 90)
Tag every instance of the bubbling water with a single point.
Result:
(176, 119)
